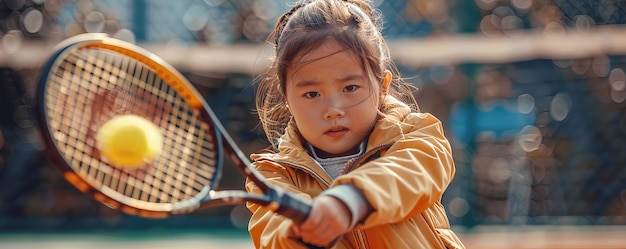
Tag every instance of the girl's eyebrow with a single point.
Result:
(354, 76)
(342, 79)
(305, 83)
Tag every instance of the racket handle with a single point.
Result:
(292, 206)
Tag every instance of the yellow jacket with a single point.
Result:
(403, 174)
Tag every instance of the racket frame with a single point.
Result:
(282, 202)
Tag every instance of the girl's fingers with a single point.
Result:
(324, 234)
(328, 220)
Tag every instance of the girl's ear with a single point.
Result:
(386, 81)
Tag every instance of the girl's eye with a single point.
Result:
(311, 95)
(351, 88)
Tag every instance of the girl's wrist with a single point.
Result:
(354, 199)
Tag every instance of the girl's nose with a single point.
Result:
(334, 112)
(335, 108)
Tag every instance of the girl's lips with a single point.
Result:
(336, 131)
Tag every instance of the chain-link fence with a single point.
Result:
(531, 93)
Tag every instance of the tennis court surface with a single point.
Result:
(526, 237)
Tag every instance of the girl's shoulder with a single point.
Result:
(394, 127)
(396, 112)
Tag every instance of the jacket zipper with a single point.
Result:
(300, 167)
(367, 154)
(359, 234)
(360, 239)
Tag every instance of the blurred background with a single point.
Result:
(531, 93)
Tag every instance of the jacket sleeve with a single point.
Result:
(268, 229)
(411, 176)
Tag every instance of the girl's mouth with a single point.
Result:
(336, 131)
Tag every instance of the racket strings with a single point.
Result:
(185, 133)
(169, 175)
(90, 76)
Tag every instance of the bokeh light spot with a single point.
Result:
(239, 216)
(617, 79)
(94, 22)
(601, 65)
(500, 171)
(522, 4)
(581, 66)
(560, 106)
(195, 18)
(32, 20)
(583, 22)
(618, 96)
(530, 138)
(525, 103)
(12, 41)
(458, 207)
(441, 73)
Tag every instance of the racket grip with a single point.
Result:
(294, 207)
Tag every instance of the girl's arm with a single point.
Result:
(410, 177)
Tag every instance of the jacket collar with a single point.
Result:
(389, 128)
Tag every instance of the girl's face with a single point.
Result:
(332, 100)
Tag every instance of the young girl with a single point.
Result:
(348, 135)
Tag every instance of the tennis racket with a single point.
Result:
(92, 78)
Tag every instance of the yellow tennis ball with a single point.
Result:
(129, 141)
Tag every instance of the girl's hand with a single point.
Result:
(329, 219)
